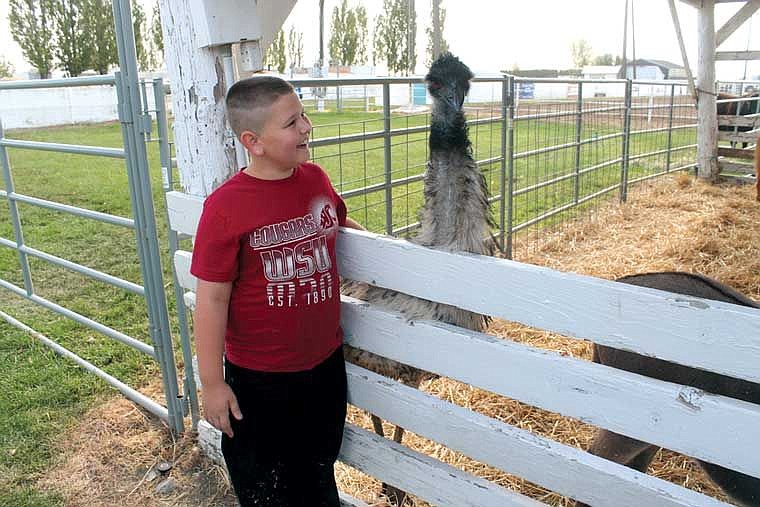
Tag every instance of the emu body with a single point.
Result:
(636, 454)
(455, 217)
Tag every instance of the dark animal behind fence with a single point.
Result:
(750, 105)
(743, 489)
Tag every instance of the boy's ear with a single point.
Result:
(252, 142)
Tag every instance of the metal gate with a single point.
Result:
(135, 120)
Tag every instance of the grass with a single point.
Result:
(43, 394)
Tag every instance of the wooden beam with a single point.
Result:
(736, 121)
(196, 57)
(736, 21)
(737, 55)
(707, 121)
(739, 137)
(677, 26)
(744, 153)
(737, 167)
(205, 154)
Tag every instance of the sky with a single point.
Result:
(494, 35)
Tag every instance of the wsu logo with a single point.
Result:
(327, 219)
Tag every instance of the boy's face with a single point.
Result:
(283, 141)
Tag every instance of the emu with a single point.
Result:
(455, 217)
(636, 454)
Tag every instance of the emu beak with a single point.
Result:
(455, 99)
(460, 98)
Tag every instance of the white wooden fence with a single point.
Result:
(707, 334)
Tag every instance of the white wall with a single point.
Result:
(61, 106)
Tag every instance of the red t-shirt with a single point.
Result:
(275, 240)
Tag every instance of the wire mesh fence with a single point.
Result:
(549, 149)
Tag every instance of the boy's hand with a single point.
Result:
(218, 402)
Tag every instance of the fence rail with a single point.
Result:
(651, 322)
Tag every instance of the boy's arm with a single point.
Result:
(210, 322)
(353, 224)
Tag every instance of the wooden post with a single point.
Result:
(707, 127)
(205, 154)
(196, 46)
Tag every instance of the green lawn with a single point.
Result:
(43, 394)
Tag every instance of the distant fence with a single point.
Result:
(544, 159)
(549, 148)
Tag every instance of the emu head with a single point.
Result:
(449, 80)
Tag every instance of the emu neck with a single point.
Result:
(448, 130)
(456, 212)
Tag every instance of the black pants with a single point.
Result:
(283, 450)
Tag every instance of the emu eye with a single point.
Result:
(435, 86)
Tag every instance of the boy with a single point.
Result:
(268, 302)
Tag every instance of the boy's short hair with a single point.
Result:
(247, 99)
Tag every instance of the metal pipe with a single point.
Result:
(510, 192)
(503, 168)
(649, 131)
(136, 396)
(560, 114)
(241, 156)
(145, 110)
(565, 81)
(69, 82)
(592, 168)
(557, 147)
(403, 181)
(190, 390)
(578, 127)
(647, 154)
(626, 142)
(546, 183)
(566, 207)
(316, 82)
(81, 212)
(63, 148)
(387, 158)
(84, 270)
(15, 217)
(97, 326)
(380, 134)
(138, 173)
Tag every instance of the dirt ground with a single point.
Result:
(677, 223)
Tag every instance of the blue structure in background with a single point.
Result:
(419, 94)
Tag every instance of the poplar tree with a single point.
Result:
(31, 27)
(295, 48)
(347, 45)
(274, 56)
(145, 58)
(73, 47)
(395, 34)
(99, 21)
(156, 32)
(6, 69)
(443, 43)
(581, 53)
